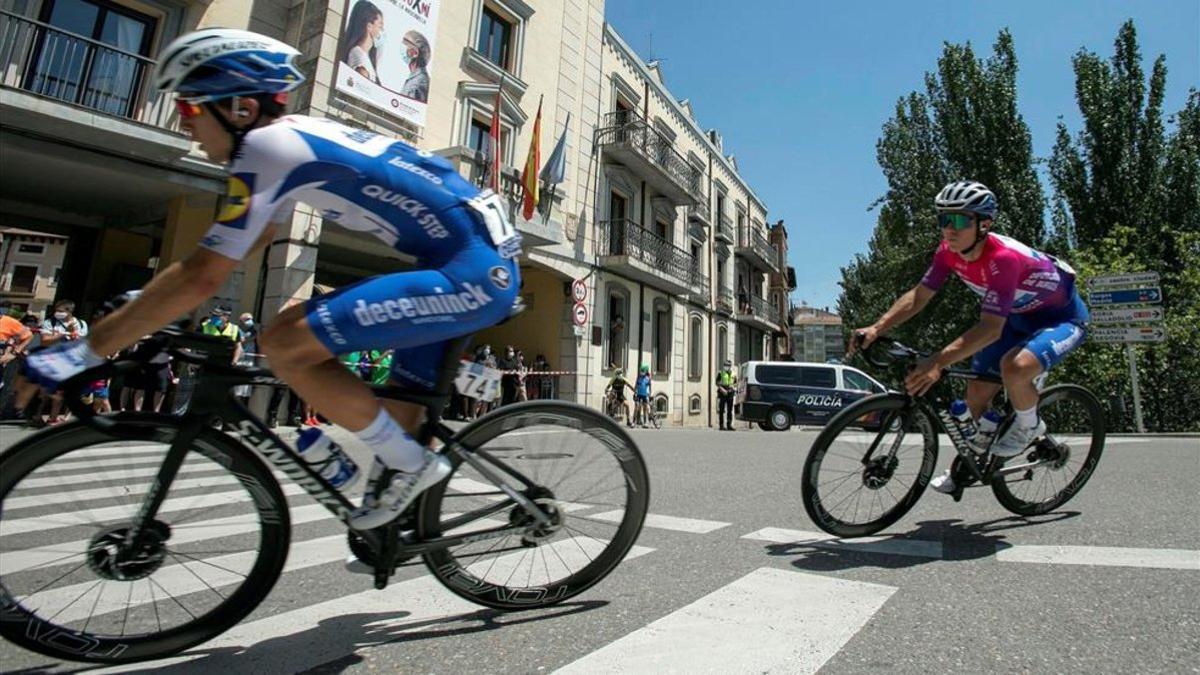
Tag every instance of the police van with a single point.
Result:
(779, 394)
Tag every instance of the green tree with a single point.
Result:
(1129, 200)
(965, 125)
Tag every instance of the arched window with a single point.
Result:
(662, 336)
(722, 345)
(617, 327)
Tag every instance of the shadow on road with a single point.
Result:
(959, 541)
(344, 635)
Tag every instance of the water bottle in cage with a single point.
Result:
(326, 457)
(962, 417)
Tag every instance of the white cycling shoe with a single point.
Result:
(943, 483)
(1017, 439)
(404, 489)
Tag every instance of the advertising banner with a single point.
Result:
(385, 54)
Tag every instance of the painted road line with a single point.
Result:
(125, 492)
(53, 479)
(770, 620)
(184, 533)
(486, 491)
(341, 626)
(135, 450)
(79, 601)
(917, 548)
(689, 525)
(1107, 556)
(110, 514)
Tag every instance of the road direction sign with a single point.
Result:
(1118, 280)
(1127, 315)
(580, 314)
(579, 290)
(1134, 296)
(1142, 334)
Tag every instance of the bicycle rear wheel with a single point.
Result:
(68, 497)
(1063, 460)
(588, 476)
(852, 490)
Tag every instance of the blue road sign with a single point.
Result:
(1134, 296)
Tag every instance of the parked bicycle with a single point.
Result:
(645, 416)
(146, 560)
(874, 459)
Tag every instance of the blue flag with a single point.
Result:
(556, 167)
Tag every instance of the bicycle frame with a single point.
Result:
(213, 398)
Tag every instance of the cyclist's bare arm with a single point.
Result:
(181, 288)
(906, 307)
(977, 337)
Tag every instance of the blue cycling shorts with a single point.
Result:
(1048, 334)
(416, 313)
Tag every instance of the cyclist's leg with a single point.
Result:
(1048, 344)
(471, 292)
(987, 362)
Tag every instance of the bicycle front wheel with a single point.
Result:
(1061, 462)
(69, 589)
(869, 465)
(583, 471)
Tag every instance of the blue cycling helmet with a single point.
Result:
(967, 195)
(218, 63)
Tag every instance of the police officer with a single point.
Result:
(726, 382)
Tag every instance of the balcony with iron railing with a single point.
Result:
(699, 213)
(758, 312)
(725, 299)
(540, 231)
(698, 281)
(757, 248)
(631, 140)
(644, 256)
(51, 78)
(725, 228)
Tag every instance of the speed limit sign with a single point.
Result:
(579, 290)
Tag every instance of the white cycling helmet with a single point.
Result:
(217, 63)
(967, 195)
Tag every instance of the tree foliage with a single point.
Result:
(1126, 198)
(964, 125)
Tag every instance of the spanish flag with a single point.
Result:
(529, 176)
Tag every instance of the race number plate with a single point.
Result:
(504, 236)
(478, 381)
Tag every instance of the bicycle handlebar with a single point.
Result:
(183, 345)
(893, 349)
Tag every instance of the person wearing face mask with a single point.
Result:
(249, 346)
(417, 53)
(218, 323)
(61, 326)
(364, 38)
(508, 382)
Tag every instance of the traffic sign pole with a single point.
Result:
(1137, 394)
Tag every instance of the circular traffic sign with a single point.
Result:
(579, 314)
(579, 290)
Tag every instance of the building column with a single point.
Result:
(291, 262)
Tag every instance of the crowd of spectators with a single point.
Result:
(158, 388)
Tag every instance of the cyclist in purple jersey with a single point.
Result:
(231, 90)
(1031, 316)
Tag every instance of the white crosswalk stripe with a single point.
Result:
(112, 513)
(1160, 558)
(408, 605)
(794, 622)
(689, 525)
(878, 544)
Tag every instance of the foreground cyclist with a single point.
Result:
(231, 88)
(1031, 314)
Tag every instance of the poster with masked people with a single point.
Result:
(385, 53)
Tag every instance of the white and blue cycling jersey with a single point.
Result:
(409, 199)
